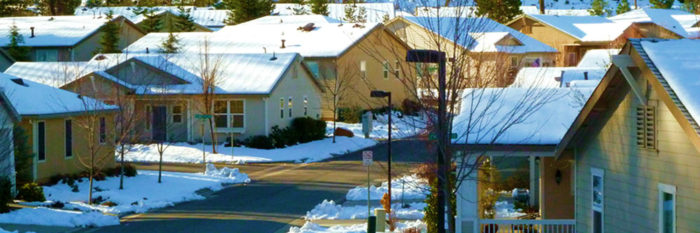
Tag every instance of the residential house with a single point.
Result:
(252, 93)
(65, 38)
(572, 36)
(379, 12)
(8, 118)
(470, 11)
(63, 129)
(494, 49)
(634, 147)
(205, 18)
(592, 66)
(364, 57)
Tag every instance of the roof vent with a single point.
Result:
(585, 75)
(307, 28)
(274, 56)
(51, 19)
(32, 29)
(19, 81)
(100, 57)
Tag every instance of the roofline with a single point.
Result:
(68, 114)
(506, 147)
(535, 19)
(362, 38)
(5, 54)
(119, 17)
(286, 69)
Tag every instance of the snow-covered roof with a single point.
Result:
(483, 34)
(55, 74)
(50, 31)
(585, 28)
(33, 98)
(376, 12)
(517, 116)
(205, 16)
(677, 21)
(293, 19)
(678, 61)
(189, 42)
(574, 76)
(470, 11)
(598, 58)
(549, 77)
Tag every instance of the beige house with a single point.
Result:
(364, 57)
(62, 128)
(65, 38)
(636, 143)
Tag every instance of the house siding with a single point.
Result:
(632, 173)
(7, 157)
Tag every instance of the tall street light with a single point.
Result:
(382, 94)
(432, 56)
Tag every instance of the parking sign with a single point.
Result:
(367, 158)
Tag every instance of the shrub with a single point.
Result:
(23, 155)
(283, 137)
(57, 205)
(31, 192)
(5, 194)
(261, 142)
(350, 115)
(129, 170)
(309, 129)
(430, 217)
(410, 107)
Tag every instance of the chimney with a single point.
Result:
(147, 50)
(274, 56)
(542, 7)
(32, 28)
(585, 75)
(264, 50)
(283, 40)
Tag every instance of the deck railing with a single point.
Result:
(527, 226)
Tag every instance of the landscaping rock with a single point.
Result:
(343, 132)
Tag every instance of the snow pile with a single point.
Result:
(413, 188)
(52, 217)
(505, 209)
(233, 174)
(142, 192)
(310, 227)
(329, 210)
(402, 127)
(306, 152)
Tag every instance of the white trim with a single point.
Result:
(599, 173)
(670, 189)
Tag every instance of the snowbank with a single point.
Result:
(413, 189)
(329, 210)
(310, 227)
(505, 209)
(307, 152)
(404, 127)
(53, 217)
(143, 192)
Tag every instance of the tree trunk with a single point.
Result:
(90, 192)
(542, 7)
(335, 110)
(160, 166)
(213, 135)
(121, 170)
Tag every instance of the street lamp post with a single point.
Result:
(382, 94)
(432, 56)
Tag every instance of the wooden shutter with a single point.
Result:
(646, 127)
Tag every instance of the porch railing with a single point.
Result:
(527, 226)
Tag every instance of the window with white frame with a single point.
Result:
(176, 113)
(597, 199)
(281, 108)
(306, 105)
(385, 69)
(363, 69)
(229, 114)
(289, 106)
(667, 208)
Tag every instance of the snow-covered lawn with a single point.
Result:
(411, 187)
(53, 217)
(143, 192)
(306, 152)
(506, 209)
(310, 227)
(403, 127)
(329, 210)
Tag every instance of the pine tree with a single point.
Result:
(661, 4)
(110, 36)
(350, 14)
(16, 51)
(58, 7)
(361, 15)
(240, 11)
(500, 11)
(692, 6)
(152, 22)
(385, 18)
(93, 3)
(599, 8)
(170, 45)
(299, 7)
(622, 7)
(14, 7)
(185, 22)
(319, 7)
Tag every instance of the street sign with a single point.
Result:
(202, 116)
(367, 158)
(453, 136)
(433, 136)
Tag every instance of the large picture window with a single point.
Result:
(229, 114)
(41, 140)
(69, 138)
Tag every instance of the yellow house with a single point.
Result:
(65, 131)
(635, 144)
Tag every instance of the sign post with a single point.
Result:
(367, 162)
(203, 117)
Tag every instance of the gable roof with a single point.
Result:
(205, 16)
(470, 11)
(600, 58)
(583, 28)
(55, 74)
(479, 34)
(550, 77)
(677, 21)
(375, 11)
(51, 31)
(35, 99)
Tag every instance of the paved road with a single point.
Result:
(279, 196)
(404, 150)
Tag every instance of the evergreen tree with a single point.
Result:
(350, 13)
(501, 11)
(692, 6)
(14, 7)
(319, 7)
(23, 156)
(185, 22)
(622, 7)
(170, 45)
(299, 7)
(599, 8)
(244, 10)
(385, 18)
(361, 15)
(93, 3)
(110, 36)
(16, 51)
(152, 22)
(58, 7)
(661, 4)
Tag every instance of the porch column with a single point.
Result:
(533, 183)
(468, 202)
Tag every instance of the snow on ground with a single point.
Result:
(142, 192)
(329, 210)
(53, 217)
(307, 152)
(310, 227)
(506, 209)
(413, 188)
(403, 127)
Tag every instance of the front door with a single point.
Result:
(159, 119)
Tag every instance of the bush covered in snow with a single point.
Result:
(53, 217)
(409, 187)
(225, 172)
